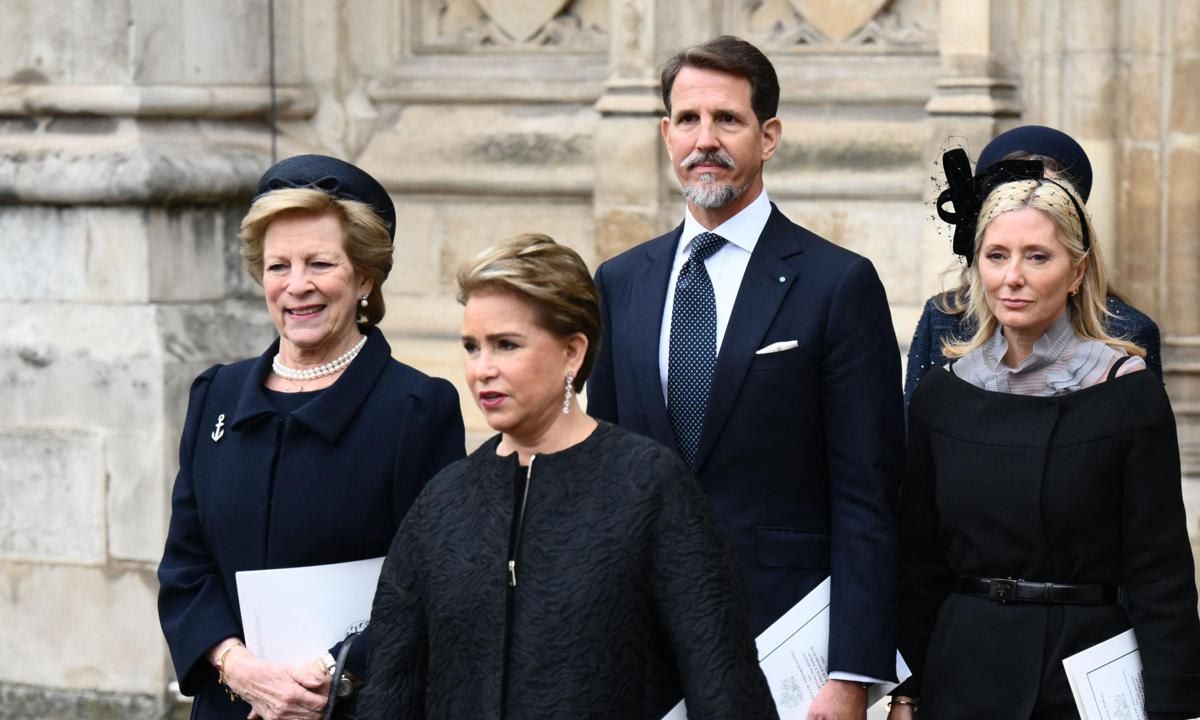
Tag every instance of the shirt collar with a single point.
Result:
(742, 230)
(1048, 348)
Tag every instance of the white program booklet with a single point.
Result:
(292, 615)
(1106, 680)
(794, 656)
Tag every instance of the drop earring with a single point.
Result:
(363, 303)
(567, 393)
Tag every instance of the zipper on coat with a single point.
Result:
(516, 547)
(510, 591)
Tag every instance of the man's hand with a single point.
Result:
(839, 700)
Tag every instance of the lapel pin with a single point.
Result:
(782, 279)
(219, 431)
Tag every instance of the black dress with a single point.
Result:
(627, 598)
(1080, 488)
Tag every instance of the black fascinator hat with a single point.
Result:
(966, 191)
(334, 177)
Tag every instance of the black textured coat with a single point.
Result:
(1080, 488)
(327, 483)
(627, 596)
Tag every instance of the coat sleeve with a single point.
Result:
(700, 597)
(398, 655)
(432, 439)
(601, 386)
(1160, 573)
(863, 414)
(193, 605)
(918, 354)
(925, 576)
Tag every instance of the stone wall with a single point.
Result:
(132, 132)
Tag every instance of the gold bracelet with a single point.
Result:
(902, 701)
(221, 671)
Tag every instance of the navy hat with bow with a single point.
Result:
(334, 177)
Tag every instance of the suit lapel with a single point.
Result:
(766, 283)
(645, 314)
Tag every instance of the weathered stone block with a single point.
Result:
(137, 494)
(52, 483)
(188, 252)
(1183, 237)
(69, 366)
(887, 233)
(1185, 99)
(1144, 90)
(415, 254)
(468, 228)
(224, 41)
(487, 150)
(42, 44)
(82, 627)
(22, 702)
(1139, 224)
(74, 254)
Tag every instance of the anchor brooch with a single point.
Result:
(219, 431)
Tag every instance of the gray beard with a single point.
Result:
(710, 195)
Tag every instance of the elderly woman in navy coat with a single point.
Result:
(309, 454)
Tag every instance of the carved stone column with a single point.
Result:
(975, 94)
(629, 174)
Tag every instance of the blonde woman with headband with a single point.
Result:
(1041, 511)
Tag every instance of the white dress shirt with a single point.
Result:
(725, 267)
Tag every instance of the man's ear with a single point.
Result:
(664, 125)
(772, 131)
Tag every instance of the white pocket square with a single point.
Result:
(778, 347)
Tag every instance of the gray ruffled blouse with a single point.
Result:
(1061, 362)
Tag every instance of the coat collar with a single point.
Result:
(767, 281)
(331, 411)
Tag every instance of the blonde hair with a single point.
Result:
(550, 276)
(365, 237)
(1059, 202)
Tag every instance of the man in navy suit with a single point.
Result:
(793, 422)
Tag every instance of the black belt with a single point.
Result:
(1007, 590)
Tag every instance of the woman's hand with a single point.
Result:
(901, 708)
(276, 691)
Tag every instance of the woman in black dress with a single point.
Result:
(1041, 511)
(566, 568)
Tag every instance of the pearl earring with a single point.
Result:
(363, 302)
(567, 393)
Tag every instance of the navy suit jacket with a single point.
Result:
(802, 450)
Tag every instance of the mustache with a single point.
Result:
(712, 157)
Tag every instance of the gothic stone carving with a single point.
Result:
(838, 25)
(467, 26)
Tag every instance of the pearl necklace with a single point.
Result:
(319, 371)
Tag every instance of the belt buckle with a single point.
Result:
(1003, 590)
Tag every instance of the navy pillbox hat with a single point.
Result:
(335, 177)
(1041, 140)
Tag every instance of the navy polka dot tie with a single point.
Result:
(693, 350)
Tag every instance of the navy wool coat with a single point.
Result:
(328, 483)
